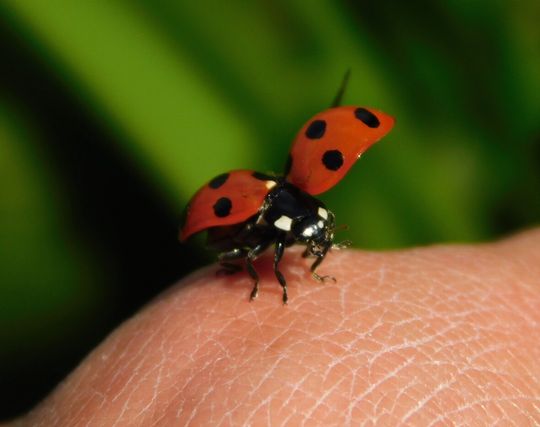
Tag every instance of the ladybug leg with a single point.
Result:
(229, 268)
(251, 256)
(318, 261)
(278, 254)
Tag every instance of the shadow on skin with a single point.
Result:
(427, 336)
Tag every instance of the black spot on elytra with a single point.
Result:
(222, 207)
(262, 176)
(316, 129)
(332, 160)
(367, 117)
(288, 165)
(218, 181)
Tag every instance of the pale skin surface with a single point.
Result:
(435, 336)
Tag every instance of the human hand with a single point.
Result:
(429, 336)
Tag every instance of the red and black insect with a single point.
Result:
(245, 212)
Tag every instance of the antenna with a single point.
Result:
(342, 89)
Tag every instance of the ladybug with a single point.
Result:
(245, 212)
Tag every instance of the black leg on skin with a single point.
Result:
(318, 261)
(278, 254)
(251, 256)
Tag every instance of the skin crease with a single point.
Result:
(431, 336)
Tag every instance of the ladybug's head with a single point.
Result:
(316, 229)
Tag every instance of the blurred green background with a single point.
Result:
(112, 113)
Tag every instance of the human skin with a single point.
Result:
(439, 335)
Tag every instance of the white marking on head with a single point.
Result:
(283, 223)
(323, 213)
(270, 184)
(308, 232)
(320, 224)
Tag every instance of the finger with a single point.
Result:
(445, 334)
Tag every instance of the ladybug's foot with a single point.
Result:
(254, 292)
(323, 278)
(285, 297)
(254, 276)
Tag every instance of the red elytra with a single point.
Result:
(344, 133)
(241, 186)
